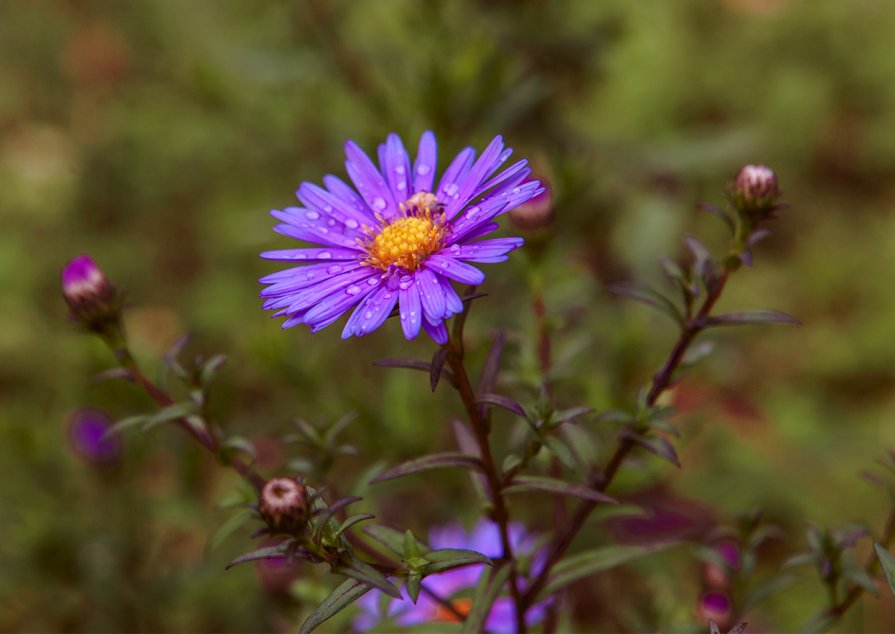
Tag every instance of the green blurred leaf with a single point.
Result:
(352, 520)
(887, 561)
(231, 525)
(347, 593)
(170, 413)
(650, 297)
(427, 463)
(751, 318)
(657, 445)
(392, 539)
(526, 484)
(486, 592)
(269, 552)
(450, 558)
(436, 367)
(504, 402)
(364, 572)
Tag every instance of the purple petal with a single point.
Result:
(482, 230)
(339, 188)
(483, 168)
(450, 181)
(410, 307)
(512, 195)
(333, 305)
(308, 298)
(369, 182)
(302, 224)
(485, 251)
(324, 254)
(431, 294)
(294, 279)
(371, 313)
(452, 302)
(518, 168)
(438, 331)
(322, 202)
(397, 168)
(424, 166)
(454, 269)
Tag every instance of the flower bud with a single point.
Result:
(715, 606)
(754, 191)
(95, 304)
(87, 429)
(284, 505)
(535, 214)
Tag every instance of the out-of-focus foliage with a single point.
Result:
(156, 135)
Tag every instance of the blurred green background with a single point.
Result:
(156, 135)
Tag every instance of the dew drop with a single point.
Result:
(422, 169)
(331, 223)
(353, 290)
(335, 268)
(405, 282)
(310, 276)
(455, 248)
(445, 265)
(451, 189)
(373, 281)
(324, 255)
(351, 223)
(379, 203)
(472, 212)
(368, 314)
(401, 186)
(399, 169)
(328, 208)
(312, 215)
(403, 316)
(412, 314)
(515, 190)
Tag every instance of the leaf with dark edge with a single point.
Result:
(436, 367)
(754, 317)
(365, 573)
(860, 577)
(269, 552)
(347, 593)
(413, 586)
(620, 416)
(764, 590)
(352, 520)
(650, 297)
(558, 448)
(654, 444)
(427, 463)
(172, 357)
(887, 561)
(450, 558)
(526, 484)
(486, 592)
(504, 402)
(720, 213)
(235, 444)
(566, 415)
(392, 539)
(327, 512)
(414, 364)
(169, 414)
(703, 263)
(590, 562)
(111, 374)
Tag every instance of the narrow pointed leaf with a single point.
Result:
(352, 520)
(270, 552)
(392, 539)
(486, 592)
(437, 366)
(590, 562)
(413, 586)
(753, 317)
(125, 423)
(504, 402)
(365, 573)
(887, 561)
(657, 445)
(450, 558)
(558, 448)
(488, 377)
(650, 297)
(566, 415)
(414, 364)
(525, 484)
(427, 463)
(713, 627)
(170, 413)
(347, 593)
(210, 369)
(720, 213)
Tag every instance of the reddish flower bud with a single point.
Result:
(95, 304)
(535, 214)
(284, 505)
(755, 191)
(717, 607)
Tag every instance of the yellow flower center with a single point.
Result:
(407, 241)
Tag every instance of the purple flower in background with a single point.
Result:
(398, 240)
(87, 434)
(485, 539)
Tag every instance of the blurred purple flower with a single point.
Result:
(484, 538)
(400, 242)
(86, 433)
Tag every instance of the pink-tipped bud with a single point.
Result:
(536, 213)
(716, 606)
(284, 505)
(95, 304)
(755, 190)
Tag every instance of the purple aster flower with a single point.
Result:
(484, 538)
(397, 240)
(87, 430)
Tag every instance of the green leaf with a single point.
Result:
(510, 462)
(347, 593)
(231, 525)
(751, 317)
(450, 558)
(413, 586)
(436, 368)
(170, 413)
(576, 567)
(887, 561)
(486, 592)
(269, 552)
(125, 423)
(504, 402)
(558, 448)
(364, 572)
(764, 590)
(238, 443)
(352, 520)
(616, 416)
(524, 484)
(413, 364)
(650, 297)
(392, 539)
(427, 463)
(210, 370)
(566, 415)
(606, 512)
(861, 577)
(657, 445)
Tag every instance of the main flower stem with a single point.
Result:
(499, 515)
(600, 481)
(201, 435)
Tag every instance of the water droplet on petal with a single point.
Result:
(353, 290)
(401, 186)
(422, 169)
(399, 169)
(351, 223)
(310, 276)
(473, 211)
(405, 282)
(379, 203)
(324, 255)
(368, 314)
(373, 281)
(451, 189)
(312, 215)
(445, 265)
(328, 208)
(335, 268)
(455, 248)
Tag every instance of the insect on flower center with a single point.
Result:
(410, 239)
